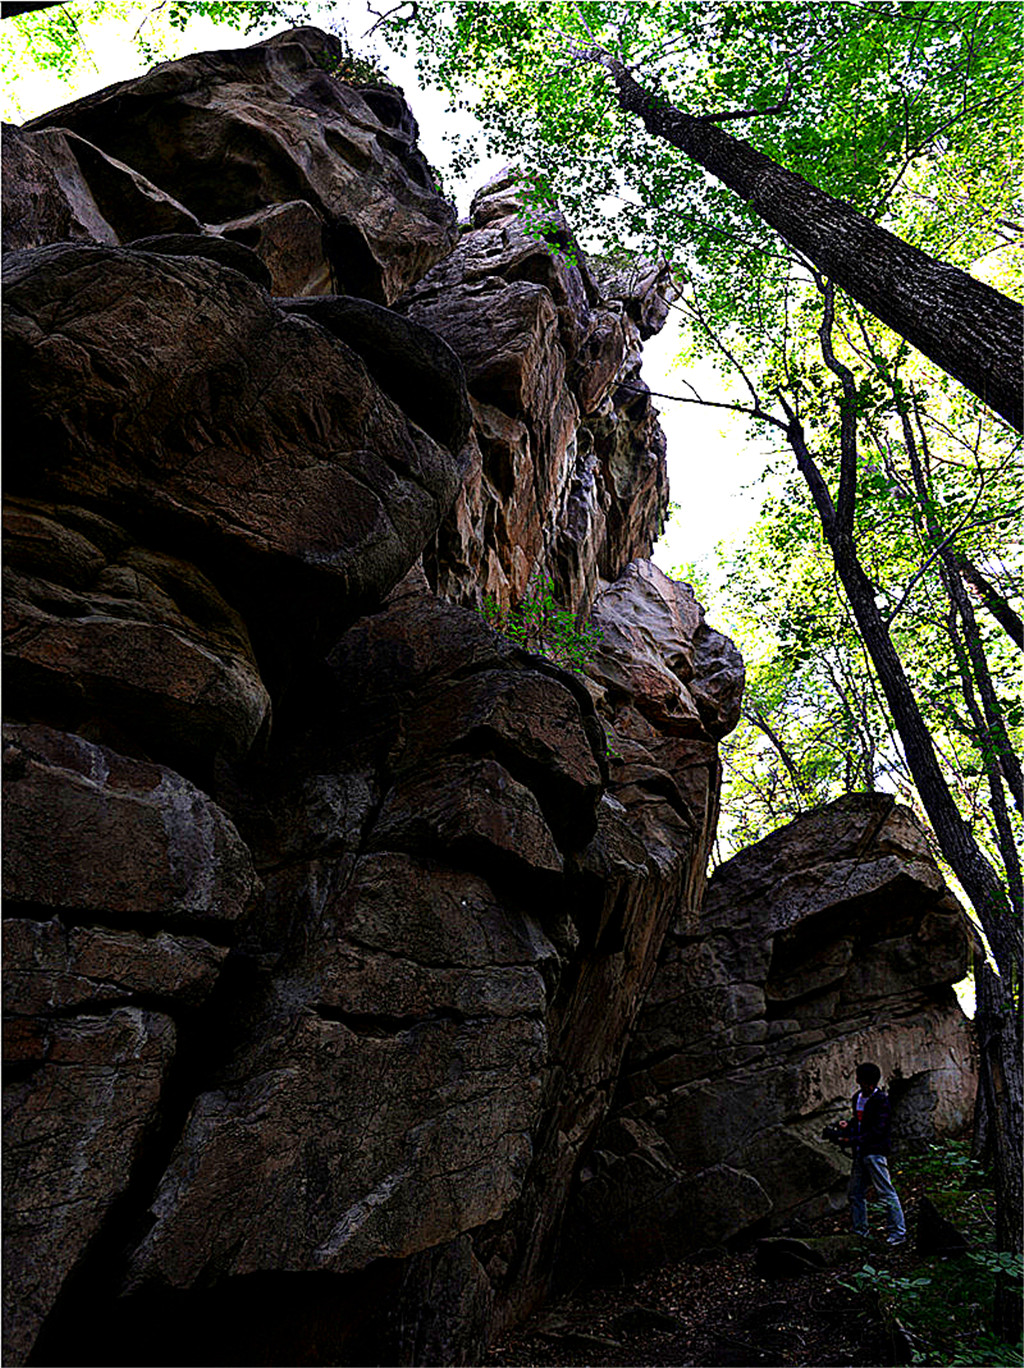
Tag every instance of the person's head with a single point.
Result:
(867, 1076)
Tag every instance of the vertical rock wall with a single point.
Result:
(325, 890)
(330, 911)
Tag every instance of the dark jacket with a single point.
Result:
(875, 1134)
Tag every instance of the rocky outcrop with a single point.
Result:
(832, 941)
(177, 396)
(566, 481)
(330, 909)
(260, 145)
(377, 1011)
(121, 883)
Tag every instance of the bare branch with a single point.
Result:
(706, 403)
(414, 10)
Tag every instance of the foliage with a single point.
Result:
(56, 39)
(874, 89)
(539, 625)
(814, 724)
(944, 1302)
(352, 68)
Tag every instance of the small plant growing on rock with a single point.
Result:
(538, 624)
(347, 66)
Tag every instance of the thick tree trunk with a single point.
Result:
(969, 329)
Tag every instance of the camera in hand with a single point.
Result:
(839, 1135)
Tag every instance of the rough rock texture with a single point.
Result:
(131, 641)
(567, 480)
(176, 395)
(832, 941)
(330, 911)
(58, 187)
(262, 146)
(121, 881)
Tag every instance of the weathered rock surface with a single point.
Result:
(567, 480)
(232, 135)
(57, 187)
(177, 397)
(832, 941)
(330, 910)
(135, 642)
(121, 883)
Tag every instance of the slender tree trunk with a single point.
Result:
(981, 1134)
(969, 329)
(992, 599)
(1000, 1018)
(997, 1026)
(756, 719)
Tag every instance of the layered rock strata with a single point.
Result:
(832, 941)
(330, 910)
(339, 920)
(566, 482)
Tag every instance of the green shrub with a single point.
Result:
(539, 625)
(946, 1304)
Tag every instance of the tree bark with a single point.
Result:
(992, 599)
(997, 1026)
(969, 329)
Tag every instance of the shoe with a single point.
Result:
(896, 1240)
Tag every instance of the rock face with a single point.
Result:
(832, 941)
(330, 910)
(566, 480)
(260, 145)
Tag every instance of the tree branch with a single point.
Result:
(776, 108)
(847, 414)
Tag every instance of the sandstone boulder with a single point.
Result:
(832, 941)
(121, 884)
(567, 474)
(57, 187)
(177, 397)
(101, 632)
(111, 837)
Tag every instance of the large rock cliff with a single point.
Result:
(330, 909)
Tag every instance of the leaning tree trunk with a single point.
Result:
(969, 329)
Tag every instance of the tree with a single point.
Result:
(833, 478)
(891, 122)
(538, 54)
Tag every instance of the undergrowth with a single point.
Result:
(945, 1303)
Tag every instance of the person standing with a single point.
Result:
(870, 1134)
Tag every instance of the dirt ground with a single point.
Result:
(718, 1312)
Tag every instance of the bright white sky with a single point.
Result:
(710, 461)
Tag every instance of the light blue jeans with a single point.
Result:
(873, 1169)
